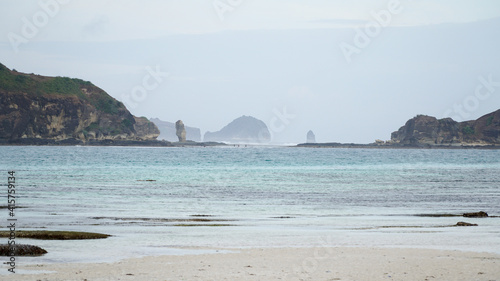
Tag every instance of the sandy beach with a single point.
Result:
(284, 264)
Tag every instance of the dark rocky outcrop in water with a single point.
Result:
(245, 129)
(55, 235)
(311, 138)
(476, 215)
(427, 130)
(56, 109)
(461, 223)
(168, 132)
(180, 131)
(21, 250)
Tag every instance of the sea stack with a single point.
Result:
(311, 138)
(180, 131)
(168, 131)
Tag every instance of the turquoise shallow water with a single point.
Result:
(257, 197)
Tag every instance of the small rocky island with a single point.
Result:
(245, 129)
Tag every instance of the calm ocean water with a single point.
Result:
(167, 200)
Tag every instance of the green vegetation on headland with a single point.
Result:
(55, 235)
(37, 85)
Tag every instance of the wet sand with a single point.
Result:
(323, 263)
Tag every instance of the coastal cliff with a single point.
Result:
(61, 108)
(428, 130)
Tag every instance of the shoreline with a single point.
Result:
(307, 263)
(128, 143)
(163, 143)
(395, 146)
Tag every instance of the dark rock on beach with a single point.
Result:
(21, 250)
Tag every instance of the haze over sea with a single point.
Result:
(180, 200)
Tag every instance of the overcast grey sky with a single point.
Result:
(351, 71)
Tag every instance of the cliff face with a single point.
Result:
(245, 129)
(427, 130)
(58, 108)
(145, 129)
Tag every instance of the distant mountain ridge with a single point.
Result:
(245, 129)
(60, 108)
(167, 131)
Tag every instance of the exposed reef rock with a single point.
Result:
(55, 235)
(245, 129)
(476, 215)
(58, 108)
(461, 223)
(21, 250)
(180, 131)
(168, 132)
(427, 130)
(311, 138)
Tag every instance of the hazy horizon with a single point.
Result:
(350, 72)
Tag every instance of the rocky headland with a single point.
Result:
(427, 130)
(37, 109)
(424, 131)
